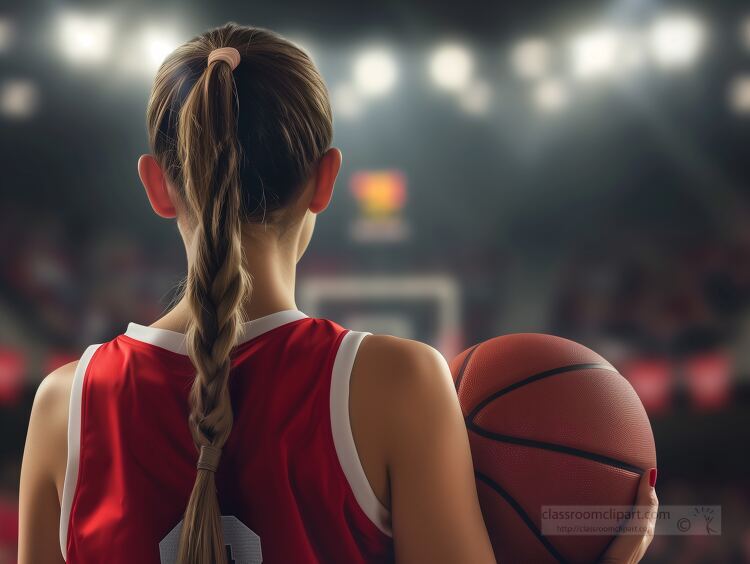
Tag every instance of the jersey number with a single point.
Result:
(242, 544)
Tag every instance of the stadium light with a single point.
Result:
(346, 101)
(550, 95)
(159, 43)
(85, 39)
(147, 49)
(375, 72)
(476, 98)
(530, 58)
(18, 99)
(6, 33)
(739, 95)
(594, 53)
(676, 41)
(451, 67)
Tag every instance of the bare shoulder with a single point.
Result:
(402, 364)
(43, 469)
(400, 389)
(407, 379)
(410, 380)
(46, 442)
(405, 410)
(54, 390)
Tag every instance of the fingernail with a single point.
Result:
(652, 477)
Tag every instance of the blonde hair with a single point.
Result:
(238, 143)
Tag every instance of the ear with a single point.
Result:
(325, 177)
(156, 186)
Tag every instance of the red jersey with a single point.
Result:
(291, 487)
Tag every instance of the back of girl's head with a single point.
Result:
(283, 120)
(238, 144)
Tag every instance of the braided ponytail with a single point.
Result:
(216, 286)
(202, 119)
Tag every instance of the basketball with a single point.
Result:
(551, 423)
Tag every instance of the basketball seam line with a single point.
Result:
(609, 461)
(464, 364)
(534, 378)
(522, 514)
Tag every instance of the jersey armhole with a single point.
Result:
(343, 438)
(74, 446)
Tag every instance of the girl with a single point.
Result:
(324, 445)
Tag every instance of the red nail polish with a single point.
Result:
(652, 477)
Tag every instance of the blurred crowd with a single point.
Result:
(670, 312)
(659, 297)
(72, 287)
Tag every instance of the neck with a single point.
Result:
(272, 269)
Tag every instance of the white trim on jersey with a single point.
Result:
(74, 446)
(343, 439)
(175, 342)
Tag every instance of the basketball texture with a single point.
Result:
(550, 423)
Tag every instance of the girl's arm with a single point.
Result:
(43, 470)
(412, 441)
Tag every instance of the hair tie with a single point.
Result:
(209, 458)
(229, 55)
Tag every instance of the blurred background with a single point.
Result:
(578, 168)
